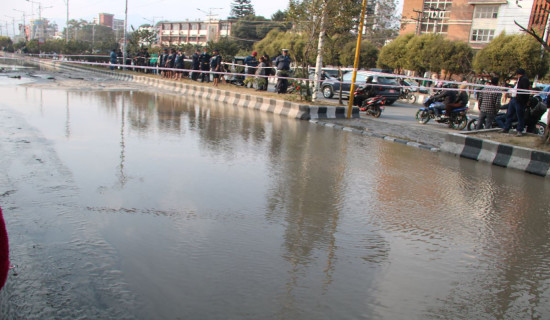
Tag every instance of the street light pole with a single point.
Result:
(124, 44)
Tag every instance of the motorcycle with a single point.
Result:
(456, 120)
(371, 105)
(407, 95)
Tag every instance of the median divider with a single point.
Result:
(500, 154)
(277, 106)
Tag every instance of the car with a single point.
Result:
(389, 88)
(413, 86)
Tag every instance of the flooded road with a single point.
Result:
(131, 205)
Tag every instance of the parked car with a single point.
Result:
(390, 88)
(413, 86)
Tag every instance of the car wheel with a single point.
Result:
(327, 92)
(390, 102)
(541, 128)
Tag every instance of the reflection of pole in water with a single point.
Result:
(122, 175)
(67, 118)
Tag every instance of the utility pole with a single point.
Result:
(67, 26)
(124, 44)
(418, 21)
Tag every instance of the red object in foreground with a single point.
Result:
(4, 252)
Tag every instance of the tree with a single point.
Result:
(393, 55)
(382, 21)
(251, 29)
(457, 57)
(6, 44)
(368, 55)
(506, 53)
(423, 53)
(241, 9)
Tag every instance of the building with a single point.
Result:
(41, 30)
(192, 32)
(476, 22)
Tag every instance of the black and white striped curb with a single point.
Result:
(503, 155)
(276, 106)
(375, 135)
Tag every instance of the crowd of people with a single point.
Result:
(208, 66)
(523, 110)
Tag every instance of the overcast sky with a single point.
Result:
(139, 11)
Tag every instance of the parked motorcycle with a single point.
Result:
(408, 96)
(456, 120)
(371, 105)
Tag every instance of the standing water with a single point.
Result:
(132, 205)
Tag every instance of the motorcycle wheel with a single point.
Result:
(377, 113)
(422, 116)
(411, 98)
(472, 124)
(459, 122)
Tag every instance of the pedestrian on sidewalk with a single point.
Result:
(489, 104)
(518, 102)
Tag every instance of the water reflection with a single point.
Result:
(212, 211)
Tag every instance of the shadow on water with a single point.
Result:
(205, 211)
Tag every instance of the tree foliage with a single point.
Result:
(241, 9)
(277, 40)
(506, 53)
(368, 55)
(393, 55)
(6, 44)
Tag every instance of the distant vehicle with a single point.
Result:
(390, 88)
(413, 86)
(237, 79)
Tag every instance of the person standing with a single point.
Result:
(261, 80)
(196, 65)
(113, 58)
(517, 104)
(268, 70)
(282, 63)
(204, 60)
(251, 64)
(489, 104)
(215, 66)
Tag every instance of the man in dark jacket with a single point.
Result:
(282, 63)
(517, 103)
(196, 65)
(204, 59)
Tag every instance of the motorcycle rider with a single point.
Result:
(364, 93)
(449, 96)
(460, 102)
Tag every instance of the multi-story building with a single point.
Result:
(192, 32)
(476, 22)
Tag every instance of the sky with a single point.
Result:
(139, 11)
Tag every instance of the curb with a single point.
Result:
(375, 135)
(499, 154)
(271, 105)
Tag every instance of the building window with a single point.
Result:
(435, 15)
(482, 35)
(486, 12)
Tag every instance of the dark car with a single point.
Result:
(389, 87)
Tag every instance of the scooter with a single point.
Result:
(456, 120)
(372, 106)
